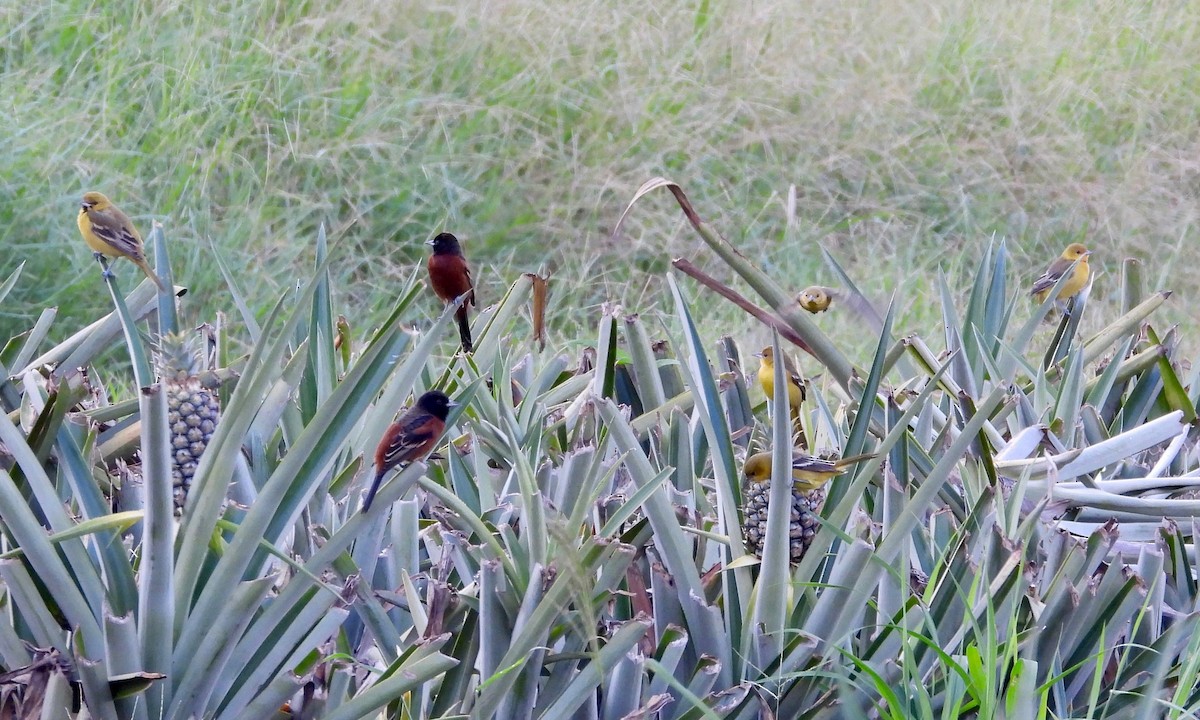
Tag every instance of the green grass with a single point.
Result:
(912, 134)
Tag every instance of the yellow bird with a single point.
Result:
(808, 472)
(815, 299)
(766, 377)
(109, 232)
(818, 298)
(795, 389)
(1077, 281)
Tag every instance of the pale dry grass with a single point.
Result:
(913, 134)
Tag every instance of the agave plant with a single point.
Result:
(1019, 544)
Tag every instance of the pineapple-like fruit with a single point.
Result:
(192, 404)
(802, 527)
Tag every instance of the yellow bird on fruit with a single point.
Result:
(808, 472)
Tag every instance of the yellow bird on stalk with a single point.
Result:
(1058, 268)
(808, 472)
(795, 387)
(110, 233)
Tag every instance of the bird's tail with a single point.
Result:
(799, 439)
(371, 493)
(145, 266)
(464, 329)
(851, 460)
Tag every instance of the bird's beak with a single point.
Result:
(452, 404)
(85, 206)
(758, 355)
(1087, 252)
(429, 242)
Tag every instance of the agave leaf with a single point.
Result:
(42, 618)
(124, 660)
(11, 281)
(1099, 391)
(216, 464)
(156, 593)
(420, 666)
(1173, 390)
(267, 704)
(133, 339)
(317, 382)
(1141, 399)
(855, 299)
(775, 296)
(1070, 395)
(1125, 325)
(78, 590)
(167, 320)
(645, 366)
(235, 293)
(771, 596)
(583, 687)
(966, 355)
(194, 678)
(494, 334)
(712, 418)
(33, 339)
(1074, 463)
(702, 619)
(93, 677)
(79, 349)
(1068, 326)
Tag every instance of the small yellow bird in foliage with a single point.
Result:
(808, 472)
(818, 298)
(795, 388)
(1077, 281)
(766, 377)
(815, 299)
(110, 233)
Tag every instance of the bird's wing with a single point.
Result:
(413, 434)
(1051, 276)
(860, 305)
(813, 464)
(116, 231)
(793, 372)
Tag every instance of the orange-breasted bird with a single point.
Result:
(110, 233)
(411, 437)
(1077, 281)
(450, 276)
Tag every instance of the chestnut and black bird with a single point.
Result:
(411, 437)
(450, 276)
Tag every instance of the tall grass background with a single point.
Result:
(901, 136)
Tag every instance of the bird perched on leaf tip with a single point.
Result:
(1074, 284)
(110, 233)
(411, 437)
(808, 472)
(450, 276)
